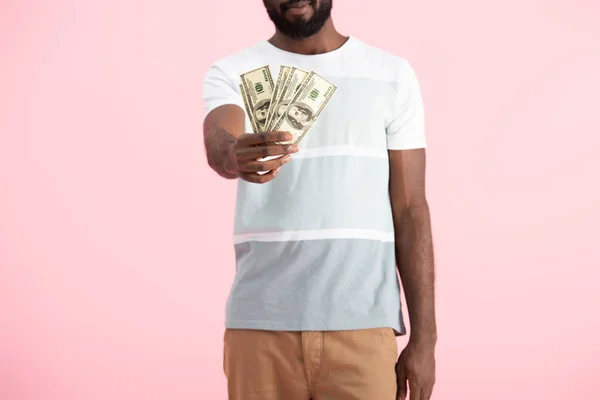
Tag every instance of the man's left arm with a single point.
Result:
(414, 255)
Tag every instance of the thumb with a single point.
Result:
(401, 381)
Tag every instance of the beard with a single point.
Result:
(299, 28)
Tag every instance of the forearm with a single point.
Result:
(218, 143)
(222, 127)
(414, 254)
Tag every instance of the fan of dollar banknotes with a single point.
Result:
(292, 105)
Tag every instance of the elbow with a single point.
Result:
(417, 210)
(410, 214)
(417, 206)
(220, 170)
(412, 206)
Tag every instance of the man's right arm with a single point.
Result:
(232, 153)
(222, 127)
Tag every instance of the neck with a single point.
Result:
(324, 41)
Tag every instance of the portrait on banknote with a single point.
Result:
(299, 115)
(280, 109)
(261, 110)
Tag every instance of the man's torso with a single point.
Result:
(315, 247)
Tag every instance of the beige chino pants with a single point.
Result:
(330, 365)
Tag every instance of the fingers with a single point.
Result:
(253, 177)
(426, 392)
(253, 139)
(251, 148)
(415, 390)
(261, 166)
(401, 379)
(256, 152)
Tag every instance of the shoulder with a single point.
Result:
(381, 63)
(233, 63)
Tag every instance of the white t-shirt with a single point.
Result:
(315, 246)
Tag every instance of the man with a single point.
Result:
(314, 310)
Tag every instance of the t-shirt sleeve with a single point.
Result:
(407, 128)
(219, 89)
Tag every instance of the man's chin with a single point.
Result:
(294, 19)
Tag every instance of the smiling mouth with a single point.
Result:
(298, 4)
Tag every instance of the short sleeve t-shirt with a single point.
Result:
(315, 246)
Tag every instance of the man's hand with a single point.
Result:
(245, 153)
(416, 365)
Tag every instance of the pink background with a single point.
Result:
(115, 237)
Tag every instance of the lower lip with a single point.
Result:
(299, 10)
